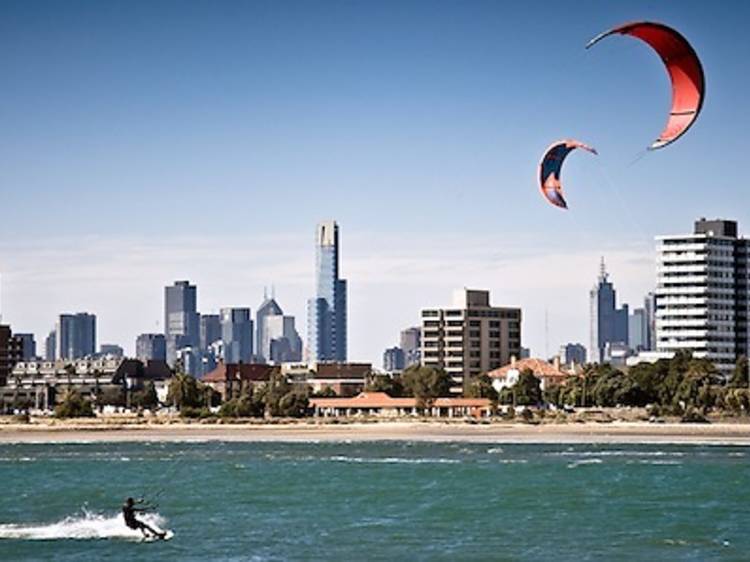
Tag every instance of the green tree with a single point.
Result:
(145, 398)
(325, 392)
(391, 385)
(553, 394)
(250, 404)
(426, 384)
(282, 399)
(528, 389)
(185, 391)
(481, 387)
(739, 376)
(110, 396)
(73, 405)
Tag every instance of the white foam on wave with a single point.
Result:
(617, 453)
(584, 462)
(86, 526)
(392, 460)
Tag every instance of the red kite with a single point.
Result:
(685, 72)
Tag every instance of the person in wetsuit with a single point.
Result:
(128, 513)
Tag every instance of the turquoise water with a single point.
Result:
(378, 501)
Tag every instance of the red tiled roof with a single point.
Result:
(382, 400)
(539, 367)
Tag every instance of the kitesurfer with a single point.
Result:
(129, 510)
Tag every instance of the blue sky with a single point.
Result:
(144, 142)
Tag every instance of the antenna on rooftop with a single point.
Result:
(546, 333)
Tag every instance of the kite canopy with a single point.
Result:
(550, 166)
(685, 72)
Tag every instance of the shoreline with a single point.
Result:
(722, 433)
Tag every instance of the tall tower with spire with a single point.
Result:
(326, 312)
(609, 324)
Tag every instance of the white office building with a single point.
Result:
(702, 293)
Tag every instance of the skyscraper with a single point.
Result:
(210, 330)
(111, 349)
(269, 307)
(411, 344)
(393, 359)
(649, 305)
(609, 324)
(237, 335)
(326, 312)
(702, 293)
(50, 346)
(151, 347)
(181, 320)
(28, 346)
(76, 335)
(638, 330)
(281, 342)
(573, 353)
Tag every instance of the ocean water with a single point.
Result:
(377, 501)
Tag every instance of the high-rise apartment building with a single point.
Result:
(237, 335)
(609, 324)
(471, 337)
(75, 336)
(702, 293)
(151, 347)
(326, 312)
(181, 319)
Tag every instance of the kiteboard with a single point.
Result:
(167, 536)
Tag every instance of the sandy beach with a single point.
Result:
(616, 432)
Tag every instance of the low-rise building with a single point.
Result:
(231, 379)
(380, 404)
(345, 379)
(547, 373)
(39, 383)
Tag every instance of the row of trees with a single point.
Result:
(275, 398)
(674, 385)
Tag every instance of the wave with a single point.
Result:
(86, 526)
(617, 453)
(392, 460)
(584, 461)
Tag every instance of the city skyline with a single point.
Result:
(415, 152)
(537, 350)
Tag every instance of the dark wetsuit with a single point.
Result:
(128, 513)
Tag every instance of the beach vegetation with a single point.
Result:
(392, 385)
(145, 398)
(73, 405)
(282, 399)
(426, 384)
(528, 389)
(250, 404)
(481, 387)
